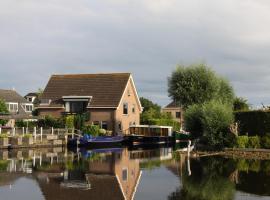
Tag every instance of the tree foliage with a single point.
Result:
(240, 104)
(197, 84)
(210, 121)
(150, 110)
(3, 110)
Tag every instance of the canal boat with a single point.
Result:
(99, 141)
(149, 134)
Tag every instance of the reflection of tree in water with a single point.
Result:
(209, 180)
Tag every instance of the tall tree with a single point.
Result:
(197, 84)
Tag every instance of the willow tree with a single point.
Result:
(197, 84)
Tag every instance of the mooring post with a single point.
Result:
(52, 130)
(26, 130)
(188, 161)
(0, 130)
(35, 133)
(23, 131)
(41, 133)
(34, 159)
(14, 131)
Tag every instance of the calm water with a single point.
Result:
(56, 174)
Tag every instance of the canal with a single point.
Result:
(141, 174)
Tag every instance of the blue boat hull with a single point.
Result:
(107, 141)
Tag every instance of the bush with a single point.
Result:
(102, 132)
(242, 141)
(265, 141)
(91, 130)
(49, 122)
(211, 121)
(254, 142)
(69, 121)
(165, 122)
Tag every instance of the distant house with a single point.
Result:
(18, 107)
(110, 99)
(31, 97)
(175, 110)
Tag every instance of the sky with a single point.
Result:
(145, 37)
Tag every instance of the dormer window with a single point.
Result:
(76, 104)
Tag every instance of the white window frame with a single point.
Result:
(24, 105)
(13, 103)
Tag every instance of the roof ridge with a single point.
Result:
(87, 74)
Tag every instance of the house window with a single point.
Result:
(178, 115)
(28, 108)
(77, 106)
(125, 174)
(104, 125)
(120, 126)
(133, 109)
(13, 107)
(30, 99)
(125, 108)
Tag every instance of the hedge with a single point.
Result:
(165, 122)
(253, 123)
(244, 141)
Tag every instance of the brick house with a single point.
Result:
(18, 107)
(175, 110)
(110, 99)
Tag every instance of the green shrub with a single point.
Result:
(210, 120)
(91, 130)
(102, 132)
(69, 121)
(254, 142)
(28, 135)
(50, 121)
(3, 135)
(165, 122)
(265, 141)
(242, 141)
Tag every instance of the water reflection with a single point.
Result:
(121, 173)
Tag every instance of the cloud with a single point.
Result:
(146, 37)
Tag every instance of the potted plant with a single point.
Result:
(16, 140)
(3, 140)
(27, 139)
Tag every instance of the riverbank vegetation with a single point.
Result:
(152, 115)
(208, 102)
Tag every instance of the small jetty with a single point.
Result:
(35, 137)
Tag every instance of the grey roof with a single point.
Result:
(32, 94)
(11, 96)
(173, 104)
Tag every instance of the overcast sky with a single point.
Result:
(146, 37)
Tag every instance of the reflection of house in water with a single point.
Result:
(113, 176)
(121, 169)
